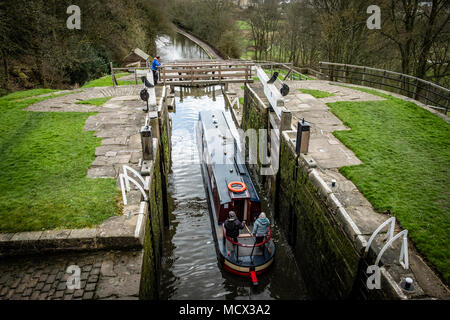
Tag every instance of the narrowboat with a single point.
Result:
(229, 187)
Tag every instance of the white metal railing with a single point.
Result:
(125, 179)
(403, 258)
(136, 174)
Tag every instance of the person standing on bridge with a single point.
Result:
(155, 65)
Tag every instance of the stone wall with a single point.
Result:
(322, 248)
(157, 212)
(326, 248)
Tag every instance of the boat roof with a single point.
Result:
(226, 161)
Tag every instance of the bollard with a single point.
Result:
(147, 143)
(303, 134)
(286, 119)
(407, 284)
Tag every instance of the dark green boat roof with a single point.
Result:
(224, 156)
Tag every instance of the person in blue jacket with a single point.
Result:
(155, 65)
(261, 227)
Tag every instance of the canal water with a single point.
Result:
(178, 47)
(190, 265)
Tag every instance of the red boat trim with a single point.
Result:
(249, 245)
(244, 274)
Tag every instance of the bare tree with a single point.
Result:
(264, 20)
(415, 27)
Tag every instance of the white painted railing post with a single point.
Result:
(403, 258)
(136, 174)
(124, 180)
(388, 236)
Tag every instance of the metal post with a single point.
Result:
(415, 89)
(112, 74)
(147, 143)
(303, 133)
(286, 119)
(446, 107)
(363, 76)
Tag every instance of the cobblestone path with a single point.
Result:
(104, 275)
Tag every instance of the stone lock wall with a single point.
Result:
(157, 213)
(321, 246)
(322, 249)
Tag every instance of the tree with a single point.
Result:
(264, 20)
(416, 28)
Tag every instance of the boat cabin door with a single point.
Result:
(241, 207)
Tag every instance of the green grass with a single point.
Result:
(243, 25)
(95, 101)
(241, 101)
(405, 152)
(44, 158)
(106, 81)
(283, 72)
(27, 93)
(317, 93)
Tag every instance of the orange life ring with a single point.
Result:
(243, 186)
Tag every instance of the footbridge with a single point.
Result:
(206, 73)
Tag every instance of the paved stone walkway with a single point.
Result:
(104, 275)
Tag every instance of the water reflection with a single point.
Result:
(178, 48)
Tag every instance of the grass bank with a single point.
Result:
(44, 158)
(318, 94)
(405, 152)
(95, 101)
(106, 81)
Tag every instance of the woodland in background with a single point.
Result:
(38, 50)
(414, 37)
(210, 20)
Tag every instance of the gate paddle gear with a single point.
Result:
(145, 96)
(146, 82)
(274, 77)
(284, 90)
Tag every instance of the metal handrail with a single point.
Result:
(403, 259)
(124, 180)
(389, 236)
(403, 250)
(404, 82)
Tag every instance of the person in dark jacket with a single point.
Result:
(261, 227)
(232, 226)
(155, 65)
